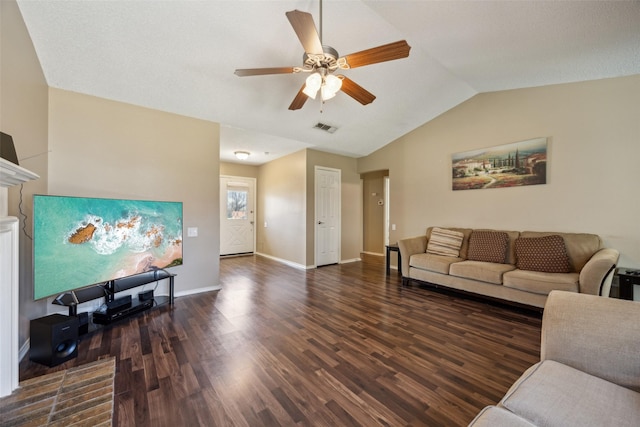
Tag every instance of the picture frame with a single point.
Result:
(508, 165)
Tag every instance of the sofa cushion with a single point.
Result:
(547, 254)
(435, 263)
(494, 416)
(552, 394)
(445, 242)
(580, 246)
(490, 272)
(466, 232)
(488, 246)
(539, 282)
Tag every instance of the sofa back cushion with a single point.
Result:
(547, 254)
(488, 246)
(511, 250)
(445, 242)
(466, 232)
(580, 246)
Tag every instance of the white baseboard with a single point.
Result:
(287, 262)
(197, 291)
(347, 261)
(372, 253)
(303, 267)
(24, 349)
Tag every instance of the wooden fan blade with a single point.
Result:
(356, 91)
(302, 23)
(299, 100)
(387, 52)
(244, 72)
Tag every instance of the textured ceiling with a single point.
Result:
(179, 56)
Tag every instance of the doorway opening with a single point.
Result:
(237, 215)
(375, 213)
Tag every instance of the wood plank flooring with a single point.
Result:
(341, 345)
(81, 396)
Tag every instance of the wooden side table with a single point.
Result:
(393, 248)
(627, 278)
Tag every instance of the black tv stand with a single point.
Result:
(105, 317)
(108, 291)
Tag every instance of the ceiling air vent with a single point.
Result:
(325, 127)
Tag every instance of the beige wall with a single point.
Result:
(102, 148)
(286, 202)
(373, 212)
(281, 200)
(87, 146)
(594, 145)
(23, 115)
(350, 196)
(237, 169)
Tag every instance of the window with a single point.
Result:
(237, 204)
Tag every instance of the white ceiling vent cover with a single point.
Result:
(325, 127)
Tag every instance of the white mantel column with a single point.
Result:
(9, 281)
(10, 174)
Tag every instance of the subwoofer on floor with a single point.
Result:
(54, 339)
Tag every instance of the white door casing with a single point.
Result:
(327, 215)
(237, 215)
(387, 226)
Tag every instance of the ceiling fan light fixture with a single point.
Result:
(326, 93)
(331, 86)
(314, 81)
(242, 155)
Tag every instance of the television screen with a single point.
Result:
(80, 241)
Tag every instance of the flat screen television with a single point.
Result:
(79, 241)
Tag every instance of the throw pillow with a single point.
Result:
(488, 246)
(547, 254)
(445, 242)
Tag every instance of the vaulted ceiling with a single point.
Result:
(180, 57)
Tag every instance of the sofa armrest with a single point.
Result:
(411, 246)
(597, 273)
(600, 336)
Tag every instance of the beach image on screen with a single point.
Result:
(83, 241)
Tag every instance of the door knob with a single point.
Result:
(320, 222)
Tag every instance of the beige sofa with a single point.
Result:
(516, 277)
(589, 373)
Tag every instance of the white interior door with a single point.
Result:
(237, 215)
(327, 215)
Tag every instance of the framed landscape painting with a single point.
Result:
(509, 165)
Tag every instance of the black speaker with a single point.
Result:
(83, 323)
(54, 339)
(7, 149)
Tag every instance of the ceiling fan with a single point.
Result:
(322, 61)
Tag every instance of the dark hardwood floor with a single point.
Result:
(342, 345)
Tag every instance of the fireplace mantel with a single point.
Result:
(12, 174)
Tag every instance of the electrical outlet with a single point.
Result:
(192, 232)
